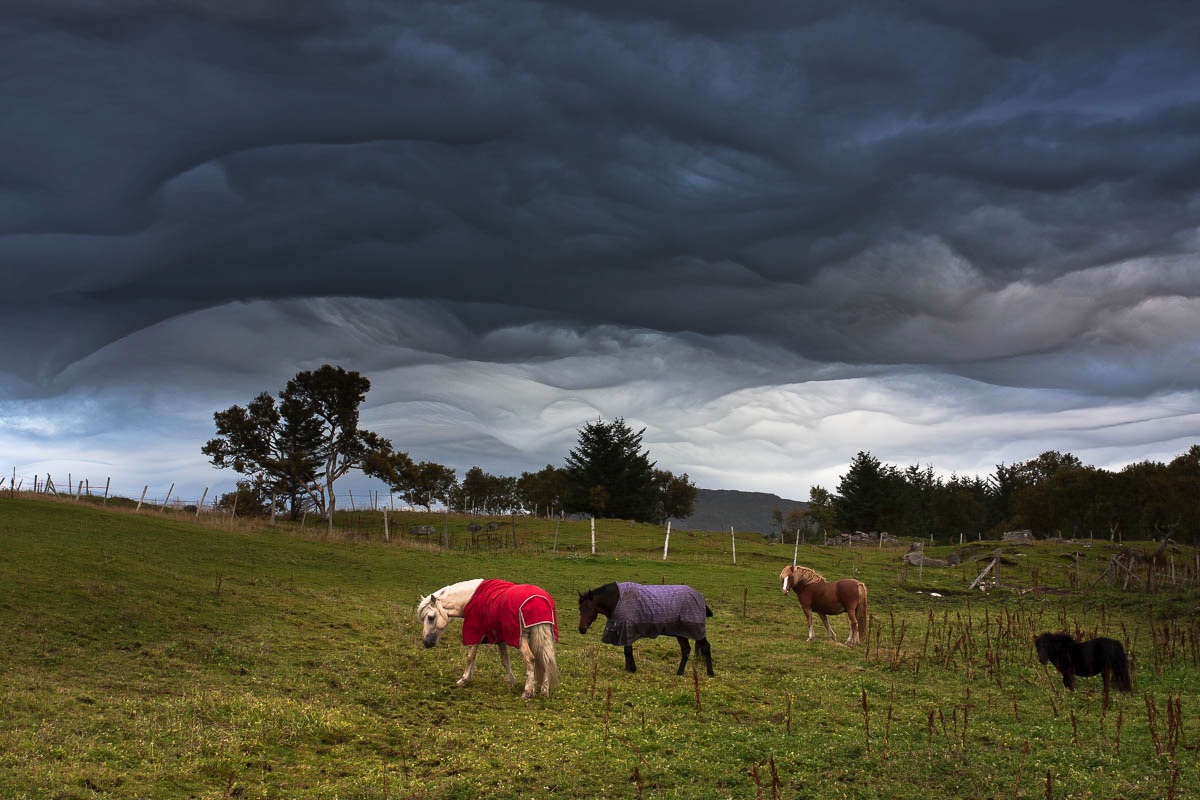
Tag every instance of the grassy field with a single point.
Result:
(148, 655)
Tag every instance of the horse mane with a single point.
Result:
(424, 604)
(1053, 646)
(802, 576)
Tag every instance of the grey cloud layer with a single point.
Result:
(780, 192)
(663, 166)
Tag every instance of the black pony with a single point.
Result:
(1102, 656)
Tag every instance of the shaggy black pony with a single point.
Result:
(1102, 656)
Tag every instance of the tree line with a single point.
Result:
(293, 450)
(1054, 494)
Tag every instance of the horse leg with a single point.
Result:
(470, 670)
(629, 665)
(685, 650)
(828, 627)
(530, 666)
(853, 638)
(808, 615)
(706, 651)
(508, 673)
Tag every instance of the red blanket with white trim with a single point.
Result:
(499, 609)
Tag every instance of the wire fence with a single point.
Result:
(164, 496)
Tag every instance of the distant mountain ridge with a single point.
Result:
(717, 509)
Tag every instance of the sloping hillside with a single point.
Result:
(717, 509)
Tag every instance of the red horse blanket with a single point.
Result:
(499, 609)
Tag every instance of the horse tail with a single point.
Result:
(861, 613)
(541, 644)
(707, 611)
(1120, 670)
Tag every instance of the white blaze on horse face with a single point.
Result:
(786, 579)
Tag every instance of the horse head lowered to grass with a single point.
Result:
(500, 613)
(847, 596)
(639, 611)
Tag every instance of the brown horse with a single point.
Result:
(848, 596)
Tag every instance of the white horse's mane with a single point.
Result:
(424, 604)
(435, 597)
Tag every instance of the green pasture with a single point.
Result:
(150, 655)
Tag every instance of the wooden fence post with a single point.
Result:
(168, 499)
(667, 540)
(200, 505)
(140, 499)
(733, 543)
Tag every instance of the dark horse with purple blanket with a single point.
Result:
(639, 611)
(1102, 656)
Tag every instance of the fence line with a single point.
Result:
(73, 488)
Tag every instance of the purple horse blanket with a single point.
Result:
(499, 609)
(647, 612)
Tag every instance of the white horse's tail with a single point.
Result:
(541, 644)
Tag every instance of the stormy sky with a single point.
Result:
(772, 234)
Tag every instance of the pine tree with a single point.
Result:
(609, 475)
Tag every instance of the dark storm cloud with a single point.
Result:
(778, 192)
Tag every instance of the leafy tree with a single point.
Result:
(958, 506)
(796, 519)
(1185, 474)
(273, 453)
(678, 495)
(307, 442)
(1052, 492)
(822, 508)
(247, 500)
(481, 492)
(1157, 500)
(608, 474)
(542, 489)
(425, 483)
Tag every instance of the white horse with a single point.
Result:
(501, 613)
